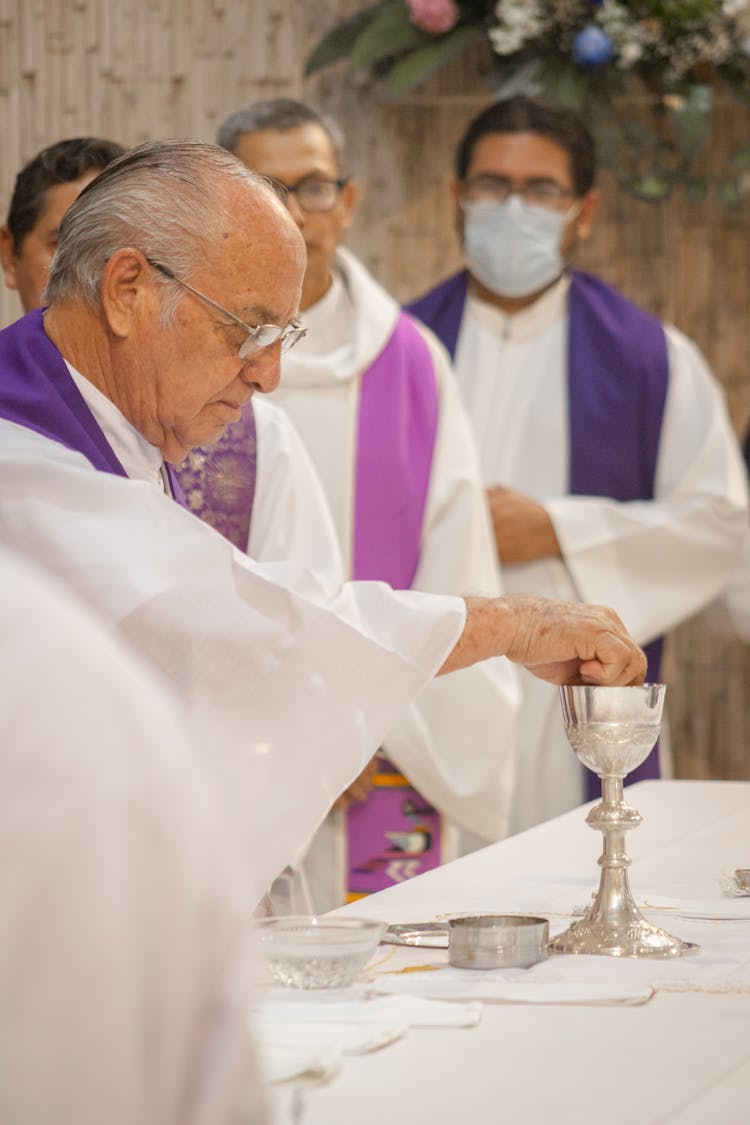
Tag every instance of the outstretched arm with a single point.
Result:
(562, 642)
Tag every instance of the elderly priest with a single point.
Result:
(172, 293)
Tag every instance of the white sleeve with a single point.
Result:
(122, 908)
(457, 742)
(291, 519)
(289, 683)
(657, 562)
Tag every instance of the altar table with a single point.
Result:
(683, 1058)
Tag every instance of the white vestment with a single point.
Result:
(123, 916)
(656, 562)
(289, 683)
(290, 520)
(455, 744)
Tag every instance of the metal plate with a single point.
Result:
(425, 935)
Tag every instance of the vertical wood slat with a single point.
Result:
(143, 68)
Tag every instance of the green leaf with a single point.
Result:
(388, 34)
(740, 158)
(410, 71)
(733, 190)
(691, 123)
(339, 41)
(652, 187)
(566, 84)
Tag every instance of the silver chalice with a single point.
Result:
(612, 730)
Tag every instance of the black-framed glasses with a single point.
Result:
(315, 193)
(496, 189)
(262, 336)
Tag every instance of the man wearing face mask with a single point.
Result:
(610, 464)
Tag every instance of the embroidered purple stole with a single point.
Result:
(618, 371)
(219, 481)
(37, 391)
(395, 833)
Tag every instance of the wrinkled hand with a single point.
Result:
(573, 643)
(359, 788)
(523, 530)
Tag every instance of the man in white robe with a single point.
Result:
(661, 549)
(456, 743)
(289, 682)
(290, 518)
(124, 924)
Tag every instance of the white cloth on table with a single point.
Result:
(306, 1034)
(455, 743)
(289, 683)
(656, 562)
(123, 921)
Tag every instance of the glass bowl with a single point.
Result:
(309, 951)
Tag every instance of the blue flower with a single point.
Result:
(592, 47)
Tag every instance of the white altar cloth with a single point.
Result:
(683, 1058)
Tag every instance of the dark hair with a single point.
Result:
(279, 114)
(522, 114)
(60, 163)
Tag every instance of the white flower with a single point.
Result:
(517, 22)
(506, 41)
(630, 53)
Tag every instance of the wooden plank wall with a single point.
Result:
(146, 68)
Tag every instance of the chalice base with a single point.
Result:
(632, 936)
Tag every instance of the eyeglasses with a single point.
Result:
(262, 336)
(537, 193)
(315, 193)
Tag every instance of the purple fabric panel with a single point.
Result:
(392, 836)
(618, 372)
(219, 481)
(398, 410)
(37, 391)
(442, 309)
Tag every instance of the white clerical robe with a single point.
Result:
(123, 916)
(291, 519)
(289, 683)
(455, 743)
(656, 562)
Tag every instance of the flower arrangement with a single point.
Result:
(641, 73)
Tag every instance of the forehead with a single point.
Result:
(259, 254)
(290, 154)
(523, 156)
(57, 200)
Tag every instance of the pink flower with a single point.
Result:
(433, 16)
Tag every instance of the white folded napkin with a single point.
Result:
(718, 909)
(304, 1035)
(565, 980)
(282, 1062)
(295, 1008)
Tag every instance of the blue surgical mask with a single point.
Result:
(514, 248)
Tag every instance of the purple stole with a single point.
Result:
(219, 481)
(37, 392)
(618, 371)
(394, 833)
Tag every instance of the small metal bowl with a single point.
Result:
(309, 951)
(497, 941)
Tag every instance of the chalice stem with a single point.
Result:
(613, 904)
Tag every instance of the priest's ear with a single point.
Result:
(8, 257)
(348, 199)
(587, 215)
(128, 291)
